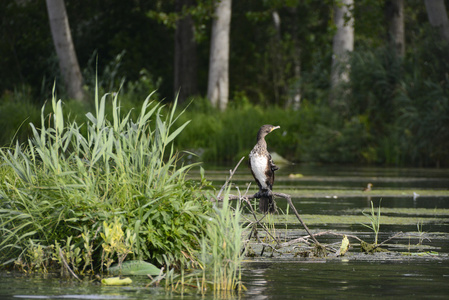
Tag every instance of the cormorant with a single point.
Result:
(262, 168)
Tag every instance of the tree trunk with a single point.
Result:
(295, 95)
(186, 83)
(62, 39)
(218, 81)
(277, 59)
(394, 12)
(436, 11)
(343, 44)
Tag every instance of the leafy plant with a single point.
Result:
(374, 220)
(67, 184)
(115, 242)
(221, 248)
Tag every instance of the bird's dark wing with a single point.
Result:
(272, 165)
(270, 172)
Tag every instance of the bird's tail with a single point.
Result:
(267, 204)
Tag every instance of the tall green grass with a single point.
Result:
(63, 184)
(221, 249)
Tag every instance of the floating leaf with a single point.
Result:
(344, 246)
(135, 267)
(116, 281)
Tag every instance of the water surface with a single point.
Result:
(328, 199)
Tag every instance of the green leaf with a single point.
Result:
(176, 132)
(116, 281)
(135, 267)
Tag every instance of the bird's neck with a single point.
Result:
(262, 143)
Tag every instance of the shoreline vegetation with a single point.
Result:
(82, 203)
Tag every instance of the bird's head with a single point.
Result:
(266, 129)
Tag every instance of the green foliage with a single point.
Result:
(374, 221)
(423, 103)
(404, 101)
(313, 133)
(117, 190)
(221, 248)
(115, 243)
(16, 111)
(135, 267)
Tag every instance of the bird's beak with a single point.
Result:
(275, 127)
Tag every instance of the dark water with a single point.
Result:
(350, 279)
(288, 277)
(416, 279)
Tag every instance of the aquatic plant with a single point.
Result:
(374, 220)
(63, 186)
(221, 248)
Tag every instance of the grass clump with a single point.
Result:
(374, 219)
(221, 252)
(217, 266)
(116, 192)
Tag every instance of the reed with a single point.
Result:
(71, 180)
(221, 249)
(374, 221)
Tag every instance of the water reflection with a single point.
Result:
(259, 284)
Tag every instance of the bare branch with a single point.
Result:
(227, 181)
(289, 200)
(389, 239)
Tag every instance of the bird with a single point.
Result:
(368, 187)
(263, 168)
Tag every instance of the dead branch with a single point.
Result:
(305, 239)
(282, 195)
(274, 248)
(295, 241)
(231, 173)
(389, 239)
(258, 221)
(257, 196)
(289, 200)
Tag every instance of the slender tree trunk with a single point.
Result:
(186, 83)
(295, 97)
(218, 81)
(277, 61)
(436, 11)
(343, 44)
(394, 12)
(62, 38)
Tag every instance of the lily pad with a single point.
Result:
(135, 267)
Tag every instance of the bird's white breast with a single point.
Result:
(259, 165)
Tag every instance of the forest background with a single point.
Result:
(359, 82)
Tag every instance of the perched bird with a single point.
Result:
(262, 168)
(368, 187)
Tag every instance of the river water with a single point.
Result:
(413, 201)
